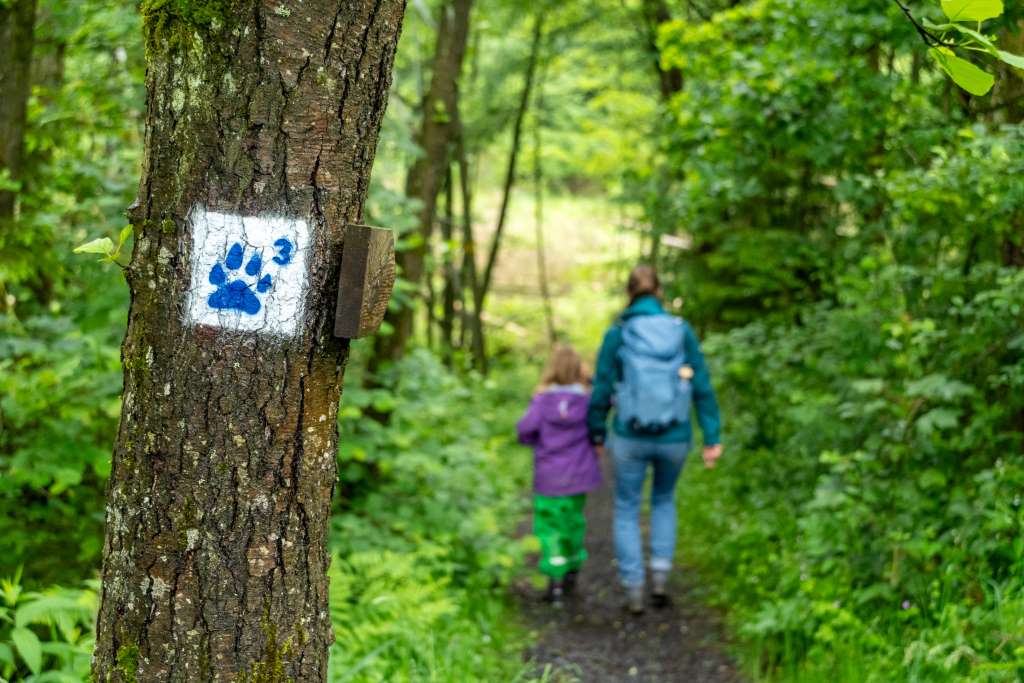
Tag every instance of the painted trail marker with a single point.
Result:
(248, 272)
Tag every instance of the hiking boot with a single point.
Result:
(555, 593)
(635, 599)
(569, 582)
(659, 589)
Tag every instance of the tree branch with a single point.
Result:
(929, 38)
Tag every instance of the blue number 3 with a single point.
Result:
(284, 254)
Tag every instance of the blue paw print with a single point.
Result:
(237, 294)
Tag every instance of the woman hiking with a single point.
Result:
(650, 367)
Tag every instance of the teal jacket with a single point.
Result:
(609, 373)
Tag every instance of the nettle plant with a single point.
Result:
(962, 34)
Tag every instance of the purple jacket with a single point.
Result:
(555, 424)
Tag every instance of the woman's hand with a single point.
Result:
(711, 455)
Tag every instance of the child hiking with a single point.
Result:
(651, 369)
(565, 468)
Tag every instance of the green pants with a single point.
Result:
(559, 524)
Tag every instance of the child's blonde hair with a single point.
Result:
(564, 367)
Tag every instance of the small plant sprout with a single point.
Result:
(104, 246)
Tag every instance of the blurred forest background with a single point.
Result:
(840, 221)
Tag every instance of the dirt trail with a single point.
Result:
(593, 639)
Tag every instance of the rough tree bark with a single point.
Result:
(17, 35)
(215, 566)
(427, 172)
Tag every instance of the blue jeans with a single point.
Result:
(632, 456)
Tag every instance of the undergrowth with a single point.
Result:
(425, 524)
(421, 538)
(866, 524)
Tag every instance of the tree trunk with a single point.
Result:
(510, 172)
(1013, 244)
(538, 216)
(427, 173)
(451, 279)
(471, 319)
(670, 82)
(215, 559)
(49, 53)
(656, 13)
(1009, 89)
(17, 35)
(429, 303)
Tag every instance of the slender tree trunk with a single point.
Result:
(471, 320)
(47, 81)
(430, 303)
(17, 36)
(656, 13)
(1009, 89)
(510, 173)
(260, 134)
(1013, 244)
(427, 173)
(670, 81)
(48, 54)
(538, 215)
(451, 284)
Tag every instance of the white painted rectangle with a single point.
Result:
(248, 272)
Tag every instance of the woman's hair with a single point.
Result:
(564, 367)
(643, 280)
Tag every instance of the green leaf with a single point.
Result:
(966, 75)
(126, 232)
(1011, 59)
(6, 183)
(48, 608)
(938, 420)
(931, 478)
(978, 38)
(939, 386)
(29, 648)
(972, 10)
(103, 245)
(867, 386)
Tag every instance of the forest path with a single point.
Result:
(593, 639)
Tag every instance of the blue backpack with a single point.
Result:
(655, 391)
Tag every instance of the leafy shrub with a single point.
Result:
(425, 527)
(423, 543)
(61, 316)
(59, 402)
(868, 522)
(45, 636)
(396, 619)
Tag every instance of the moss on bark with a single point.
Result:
(171, 24)
(128, 663)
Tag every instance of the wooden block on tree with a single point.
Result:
(365, 282)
